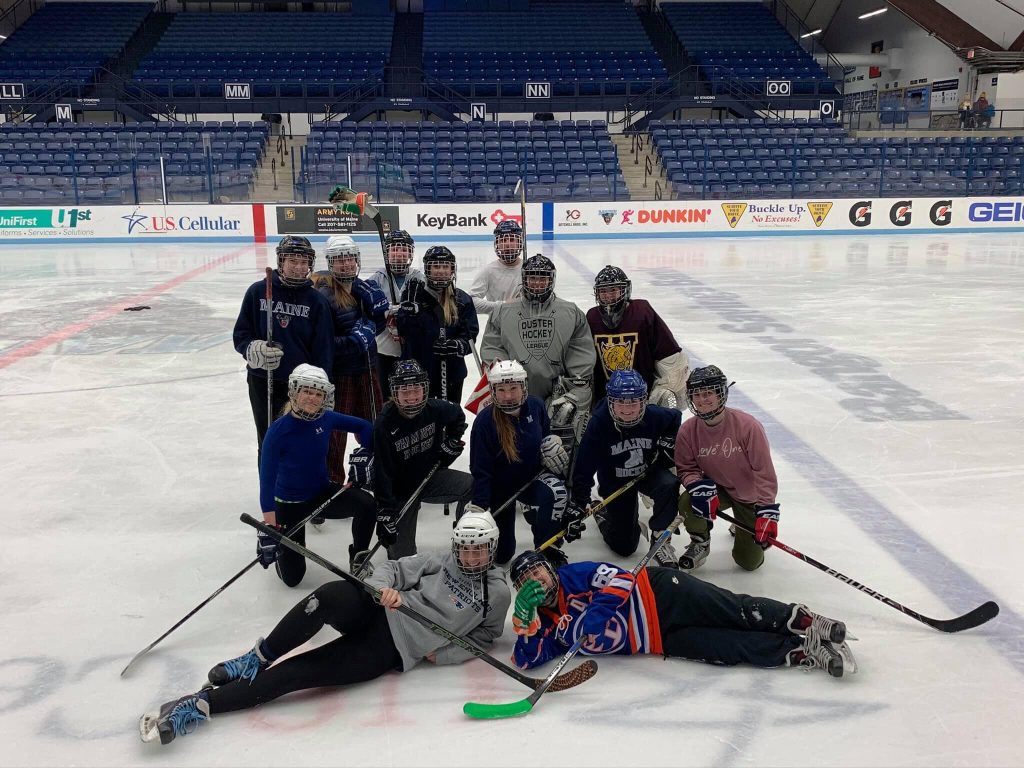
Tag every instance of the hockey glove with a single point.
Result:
(371, 297)
(260, 354)
(387, 526)
(451, 347)
(360, 467)
(451, 449)
(363, 332)
(267, 548)
(525, 620)
(574, 525)
(703, 498)
(410, 297)
(664, 397)
(766, 524)
(553, 455)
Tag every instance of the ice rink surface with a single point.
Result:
(888, 374)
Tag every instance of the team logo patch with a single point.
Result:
(819, 212)
(613, 638)
(536, 334)
(608, 214)
(283, 320)
(616, 350)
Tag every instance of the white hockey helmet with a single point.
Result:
(475, 533)
(305, 377)
(342, 248)
(507, 372)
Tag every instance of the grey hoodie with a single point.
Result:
(435, 587)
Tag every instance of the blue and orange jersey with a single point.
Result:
(623, 601)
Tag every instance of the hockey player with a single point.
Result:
(723, 460)
(293, 472)
(499, 281)
(624, 438)
(399, 248)
(302, 331)
(459, 590)
(667, 612)
(550, 337)
(511, 442)
(358, 308)
(628, 333)
(414, 432)
(436, 322)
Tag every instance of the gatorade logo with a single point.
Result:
(941, 213)
(900, 213)
(860, 213)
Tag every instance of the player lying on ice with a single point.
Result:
(664, 611)
(459, 590)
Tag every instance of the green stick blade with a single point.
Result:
(496, 711)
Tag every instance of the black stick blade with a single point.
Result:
(970, 620)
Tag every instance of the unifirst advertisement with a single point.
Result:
(123, 222)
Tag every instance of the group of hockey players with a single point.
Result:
(573, 396)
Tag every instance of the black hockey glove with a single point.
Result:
(451, 347)
(267, 548)
(360, 467)
(411, 297)
(387, 526)
(451, 449)
(574, 525)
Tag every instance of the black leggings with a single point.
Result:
(364, 651)
(355, 503)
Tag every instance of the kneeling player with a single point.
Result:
(664, 611)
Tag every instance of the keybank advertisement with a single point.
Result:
(128, 222)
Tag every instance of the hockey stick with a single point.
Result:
(350, 201)
(516, 495)
(444, 367)
(232, 580)
(978, 616)
(270, 340)
(401, 513)
(516, 708)
(476, 357)
(591, 510)
(521, 191)
(568, 680)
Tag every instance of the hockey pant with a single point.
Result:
(355, 503)
(621, 528)
(365, 650)
(703, 622)
(352, 397)
(445, 486)
(746, 552)
(544, 503)
(258, 402)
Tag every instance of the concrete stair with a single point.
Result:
(274, 159)
(641, 185)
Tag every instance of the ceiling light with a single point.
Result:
(810, 34)
(869, 14)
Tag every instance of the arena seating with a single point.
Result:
(266, 49)
(595, 42)
(59, 36)
(112, 162)
(745, 40)
(463, 162)
(797, 158)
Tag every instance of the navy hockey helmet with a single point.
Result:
(398, 249)
(708, 378)
(612, 291)
(625, 387)
(508, 240)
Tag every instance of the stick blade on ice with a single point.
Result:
(497, 711)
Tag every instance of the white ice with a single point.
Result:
(128, 453)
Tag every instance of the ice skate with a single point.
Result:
(696, 552)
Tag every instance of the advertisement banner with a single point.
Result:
(126, 222)
(632, 217)
(438, 221)
(323, 219)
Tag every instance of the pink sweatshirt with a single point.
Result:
(734, 453)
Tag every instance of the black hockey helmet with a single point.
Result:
(538, 265)
(508, 240)
(294, 245)
(710, 377)
(613, 309)
(409, 373)
(438, 254)
(524, 566)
